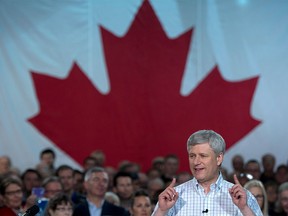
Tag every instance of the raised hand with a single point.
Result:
(168, 197)
(238, 194)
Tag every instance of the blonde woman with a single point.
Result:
(257, 189)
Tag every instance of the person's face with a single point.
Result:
(31, 180)
(124, 187)
(13, 196)
(171, 166)
(4, 164)
(89, 163)
(97, 184)
(238, 163)
(204, 164)
(52, 188)
(281, 175)
(142, 206)
(254, 170)
(48, 159)
(258, 194)
(284, 200)
(154, 173)
(62, 210)
(268, 163)
(67, 179)
(272, 194)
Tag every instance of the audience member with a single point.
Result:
(206, 152)
(78, 181)
(100, 157)
(66, 176)
(158, 164)
(153, 173)
(96, 184)
(257, 189)
(59, 205)
(141, 204)
(30, 178)
(272, 195)
(282, 202)
(89, 162)
(123, 187)
(143, 180)
(12, 195)
(170, 168)
(134, 170)
(154, 188)
(268, 164)
(253, 167)
(52, 186)
(111, 173)
(238, 166)
(72, 181)
(281, 174)
(5, 165)
(129, 167)
(46, 165)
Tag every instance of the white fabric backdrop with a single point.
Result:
(244, 38)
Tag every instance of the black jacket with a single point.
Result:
(108, 209)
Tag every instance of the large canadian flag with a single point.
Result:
(135, 78)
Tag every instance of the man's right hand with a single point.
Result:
(167, 198)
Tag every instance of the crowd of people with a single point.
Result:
(253, 188)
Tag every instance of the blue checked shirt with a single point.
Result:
(193, 201)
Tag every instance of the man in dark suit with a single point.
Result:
(96, 184)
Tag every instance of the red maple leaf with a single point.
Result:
(143, 115)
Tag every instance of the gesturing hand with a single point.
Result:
(238, 194)
(168, 197)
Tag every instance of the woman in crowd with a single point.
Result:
(282, 203)
(11, 193)
(59, 205)
(141, 204)
(257, 189)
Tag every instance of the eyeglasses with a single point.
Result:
(62, 209)
(259, 197)
(16, 192)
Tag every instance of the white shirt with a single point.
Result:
(193, 200)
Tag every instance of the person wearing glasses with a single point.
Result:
(11, 192)
(59, 205)
(258, 190)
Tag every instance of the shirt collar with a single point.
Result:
(213, 186)
(90, 204)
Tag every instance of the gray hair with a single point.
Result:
(93, 170)
(214, 139)
(283, 187)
